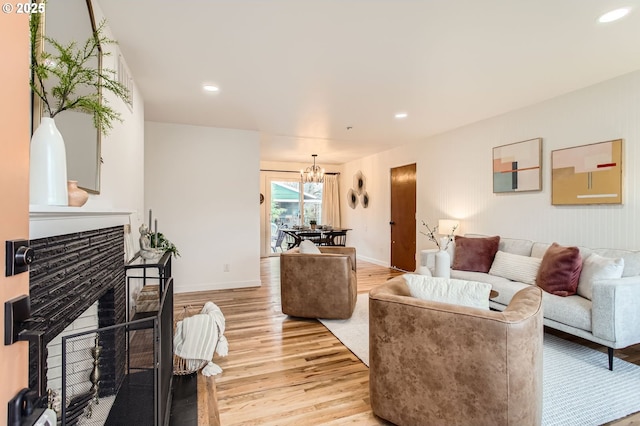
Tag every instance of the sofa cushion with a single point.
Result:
(596, 267)
(505, 287)
(574, 311)
(539, 249)
(308, 247)
(560, 270)
(510, 245)
(445, 290)
(516, 246)
(475, 254)
(515, 267)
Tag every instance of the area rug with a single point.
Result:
(578, 388)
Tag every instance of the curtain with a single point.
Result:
(331, 201)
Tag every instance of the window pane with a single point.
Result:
(312, 202)
(285, 203)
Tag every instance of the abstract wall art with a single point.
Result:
(517, 167)
(587, 174)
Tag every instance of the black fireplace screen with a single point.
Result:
(120, 374)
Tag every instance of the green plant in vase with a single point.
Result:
(74, 82)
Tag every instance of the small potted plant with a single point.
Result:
(313, 224)
(160, 242)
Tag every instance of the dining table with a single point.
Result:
(319, 236)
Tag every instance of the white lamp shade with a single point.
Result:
(446, 225)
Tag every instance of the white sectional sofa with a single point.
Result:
(610, 318)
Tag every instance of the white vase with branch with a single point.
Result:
(66, 79)
(442, 257)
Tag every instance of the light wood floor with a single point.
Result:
(283, 371)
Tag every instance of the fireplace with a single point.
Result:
(77, 288)
(69, 274)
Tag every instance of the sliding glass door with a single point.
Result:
(291, 203)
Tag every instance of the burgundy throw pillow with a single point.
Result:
(559, 271)
(475, 254)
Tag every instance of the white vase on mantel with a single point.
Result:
(443, 264)
(48, 166)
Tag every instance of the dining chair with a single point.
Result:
(292, 239)
(277, 243)
(314, 236)
(336, 238)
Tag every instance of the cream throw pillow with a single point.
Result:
(307, 247)
(596, 267)
(515, 267)
(449, 290)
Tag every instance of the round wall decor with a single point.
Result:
(359, 182)
(365, 199)
(352, 198)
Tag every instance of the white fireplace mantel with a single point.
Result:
(48, 221)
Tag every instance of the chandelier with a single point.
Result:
(312, 173)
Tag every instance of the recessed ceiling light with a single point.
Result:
(614, 15)
(210, 88)
(401, 115)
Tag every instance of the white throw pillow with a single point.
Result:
(596, 267)
(449, 290)
(307, 247)
(515, 267)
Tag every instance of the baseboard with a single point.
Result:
(372, 260)
(193, 288)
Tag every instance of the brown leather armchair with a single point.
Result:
(319, 285)
(440, 364)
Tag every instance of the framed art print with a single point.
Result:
(517, 167)
(587, 174)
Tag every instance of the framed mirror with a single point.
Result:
(66, 21)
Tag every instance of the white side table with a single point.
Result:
(428, 259)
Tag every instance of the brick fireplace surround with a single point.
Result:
(69, 274)
(78, 260)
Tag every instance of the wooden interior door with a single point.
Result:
(403, 218)
(14, 186)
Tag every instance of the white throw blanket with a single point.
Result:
(197, 337)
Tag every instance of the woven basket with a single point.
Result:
(181, 366)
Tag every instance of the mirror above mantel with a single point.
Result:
(66, 21)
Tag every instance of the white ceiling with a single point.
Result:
(301, 71)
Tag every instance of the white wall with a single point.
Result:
(454, 173)
(202, 184)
